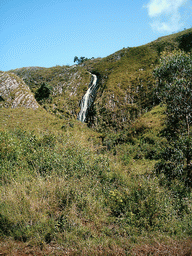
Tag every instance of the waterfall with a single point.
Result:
(88, 99)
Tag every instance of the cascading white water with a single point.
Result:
(88, 99)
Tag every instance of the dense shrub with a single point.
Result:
(43, 92)
(174, 88)
(50, 186)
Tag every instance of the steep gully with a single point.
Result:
(88, 99)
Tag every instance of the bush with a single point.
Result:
(174, 88)
(43, 92)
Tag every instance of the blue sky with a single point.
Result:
(52, 32)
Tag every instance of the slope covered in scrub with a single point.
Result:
(125, 80)
(127, 83)
(68, 188)
(61, 187)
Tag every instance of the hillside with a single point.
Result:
(72, 188)
(67, 86)
(63, 192)
(126, 83)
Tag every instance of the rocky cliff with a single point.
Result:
(15, 93)
(66, 84)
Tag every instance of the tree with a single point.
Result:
(174, 88)
(76, 59)
(80, 60)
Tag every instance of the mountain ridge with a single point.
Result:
(125, 81)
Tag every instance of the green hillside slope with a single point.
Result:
(126, 83)
(68, 188)
(61, 187)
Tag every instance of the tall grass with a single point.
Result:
(54, 190)
(65, 185)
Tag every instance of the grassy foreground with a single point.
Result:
(65, 192)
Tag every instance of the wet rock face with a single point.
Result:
(15, 93)
(88, 99)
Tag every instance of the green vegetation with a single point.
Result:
(43, 92)
(81, 59)
(65, 85)
(175, 89)
(78, 195)
(103, 188)
(126, 81)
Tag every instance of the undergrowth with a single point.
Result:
(55, 190)
(91, 191)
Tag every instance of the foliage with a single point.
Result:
(55, 190)
(65, 186)
(174, 88)
(126, 84)
(50, 186)
(81, 59)
(43, 92)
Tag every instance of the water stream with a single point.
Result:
(88, 99)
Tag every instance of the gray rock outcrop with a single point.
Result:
(15, 93)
